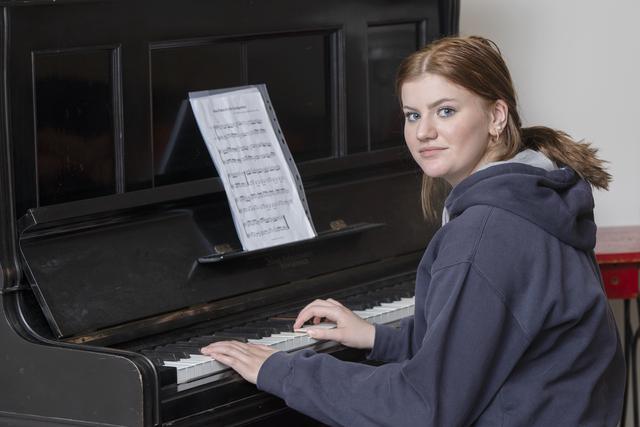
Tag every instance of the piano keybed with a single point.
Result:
(180, 362)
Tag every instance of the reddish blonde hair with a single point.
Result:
(476, 64)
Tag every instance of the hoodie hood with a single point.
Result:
(556, 200)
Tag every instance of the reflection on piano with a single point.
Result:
(119, 259)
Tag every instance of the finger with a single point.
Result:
(224, 347)
(226, 360)
(325, 334)
(304, 315)
(330, 312)
(315, 311)
(239, 354)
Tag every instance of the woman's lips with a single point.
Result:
(430, 151)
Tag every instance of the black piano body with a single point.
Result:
(116, 233)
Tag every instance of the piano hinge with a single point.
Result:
(222, 249)
(338, 224)
(14, 288)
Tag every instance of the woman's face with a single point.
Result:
(447, 128)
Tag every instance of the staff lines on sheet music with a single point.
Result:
(251, 147)
(238, 129)
(266, 206)
(238, 123)
(266, 169)
(246, 198)
(264, 220)
(260, 182)
(266, 231)
(249, 157)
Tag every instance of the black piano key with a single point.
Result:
(167, 355)
(377, 299)
(291, 315)
(260, 326)
(262, 332)
(208, 339)
(161, 356)
(356, 306)
(237, 335)
(278, 325)
(187, 348)
(404, 292)
(361, 300)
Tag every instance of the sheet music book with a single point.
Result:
(248, 149)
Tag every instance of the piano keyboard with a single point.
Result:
(391, 304)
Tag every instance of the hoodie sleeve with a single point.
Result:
(393, 344)
(470, 346)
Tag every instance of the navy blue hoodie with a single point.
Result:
(511, 326)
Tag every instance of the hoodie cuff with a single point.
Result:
(384, 343)
(273, 372)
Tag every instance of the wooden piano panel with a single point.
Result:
(77, 122)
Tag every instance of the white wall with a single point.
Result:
(576, 67)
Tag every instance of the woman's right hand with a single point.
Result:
(350, 330)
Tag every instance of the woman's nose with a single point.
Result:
(425, 130)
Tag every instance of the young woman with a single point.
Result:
(511, 325)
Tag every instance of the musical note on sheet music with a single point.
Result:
(262, 184)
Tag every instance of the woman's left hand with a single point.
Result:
(245, 359)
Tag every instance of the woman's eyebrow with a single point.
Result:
(440, 101)
(430, 106)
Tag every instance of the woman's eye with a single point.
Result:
(411, 117)
(446, 112)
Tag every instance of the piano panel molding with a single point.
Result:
(77, 113)
(9, 271)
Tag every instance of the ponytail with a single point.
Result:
(560, 148)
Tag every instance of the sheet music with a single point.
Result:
(260, 178)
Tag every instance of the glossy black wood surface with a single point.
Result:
(102, 161)
(103, 82)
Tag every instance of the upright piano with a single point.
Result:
(119, 258)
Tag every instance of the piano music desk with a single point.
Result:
(618, 255)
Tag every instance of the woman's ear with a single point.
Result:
(499, 114)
